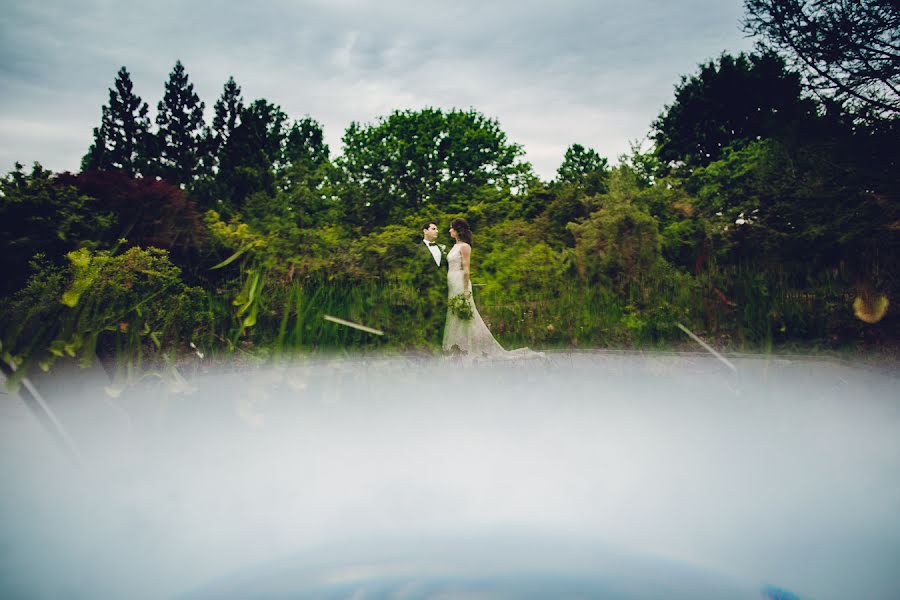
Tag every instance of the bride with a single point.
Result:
(469, 336)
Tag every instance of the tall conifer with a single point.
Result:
(182, 135)
(122, 141)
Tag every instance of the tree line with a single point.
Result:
(764, 212)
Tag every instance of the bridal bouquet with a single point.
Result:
(461, 306)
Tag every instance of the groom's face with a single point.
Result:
(431, 232)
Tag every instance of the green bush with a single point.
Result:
(133, 304)
(619, 244)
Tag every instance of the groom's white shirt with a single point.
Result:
(435, 251)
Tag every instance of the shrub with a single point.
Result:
(133, 305)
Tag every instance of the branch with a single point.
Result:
(873, 71)
(785, 35)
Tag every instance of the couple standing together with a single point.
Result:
(464, 329)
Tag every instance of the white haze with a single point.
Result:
(785, 473)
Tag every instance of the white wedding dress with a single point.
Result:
(471, 336)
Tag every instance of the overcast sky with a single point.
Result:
(552, 73)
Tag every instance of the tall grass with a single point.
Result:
(779, 306)
(740, 307)
(737, 308)
(754, 312)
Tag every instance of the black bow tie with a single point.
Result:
(429, 244)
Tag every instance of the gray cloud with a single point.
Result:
(596, 73)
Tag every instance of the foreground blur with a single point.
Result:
(582, 475)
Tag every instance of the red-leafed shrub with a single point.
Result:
(150, 212)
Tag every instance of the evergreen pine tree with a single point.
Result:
(209, 190)
(122, 140)
(96, 157)
(182, 135)
(228, 109)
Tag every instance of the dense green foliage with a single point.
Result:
(761, 217)
(731, 101)
(424, 160)
(129, 303)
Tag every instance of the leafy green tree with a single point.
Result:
(732, 100)
(304, 146)
(569, 205)
(413, 159)
(252, 154)
(40, 214)
(304, 187)
(584, 168)
(619, 244)
(788, 203)
(536, 198)
(304, 157)
(849, 51)
(270, 170)
(182, 136)
(645, 165)
(123, 139)
(515, 263)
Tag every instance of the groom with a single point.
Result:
(431, 284)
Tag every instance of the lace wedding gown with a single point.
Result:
(471, 336)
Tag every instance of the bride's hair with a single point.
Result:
(462, 230)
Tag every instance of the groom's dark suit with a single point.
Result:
(430, 280)
(431, 275)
